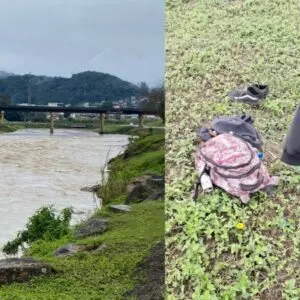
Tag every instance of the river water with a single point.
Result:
(37, 169)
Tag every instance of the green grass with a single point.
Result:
(110, 127)
(144, 155)
(211, 47)
(90, 123)
(4, 128)
(132, 130)
(106, 275)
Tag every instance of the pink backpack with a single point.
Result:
(233, 165)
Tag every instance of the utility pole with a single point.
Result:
(29, 90)
(84, 90)
(29, 97)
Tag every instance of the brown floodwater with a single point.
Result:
(37, 169)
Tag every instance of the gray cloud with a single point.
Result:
(60, 37)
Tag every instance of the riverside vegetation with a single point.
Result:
(4, 128)
(111, 126)
(131, 237)
(219, 248)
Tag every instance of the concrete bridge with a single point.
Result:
(75, 109)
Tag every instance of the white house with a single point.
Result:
(55, 104)
(26, 104)
(56, 115)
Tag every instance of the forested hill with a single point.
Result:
(4, 74)
(82, 87)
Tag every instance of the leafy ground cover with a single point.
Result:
(118, 270)
(219, 248)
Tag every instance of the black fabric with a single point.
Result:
(204, 134)
(291, 151)
(253, 91)
(263, 89)
(240, 126)
(290, 159)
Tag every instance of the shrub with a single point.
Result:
(43, 225)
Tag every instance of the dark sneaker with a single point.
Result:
(263, 89)
(252, 94)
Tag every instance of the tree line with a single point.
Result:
(153, 98)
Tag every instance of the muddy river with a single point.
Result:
(37, 169)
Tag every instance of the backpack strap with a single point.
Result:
(196, 191)
(257, 166)
(251, 187)
(197, 183)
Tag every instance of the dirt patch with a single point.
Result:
(190, 4)
(271, 294)
(270, 214)
(152, 270)
(272, 152)
(146, 187)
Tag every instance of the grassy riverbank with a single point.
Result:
(111, 273)
(88, 124)
(111, 127)
(213, 46)
(4, 128)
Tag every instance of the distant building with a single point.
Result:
(99, 104)
(26, 104)
(151, 117)
(55, 104)
(56, 115)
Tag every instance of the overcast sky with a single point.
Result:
(60, 37)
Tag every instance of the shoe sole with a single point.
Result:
(248, 101)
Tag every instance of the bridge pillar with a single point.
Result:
(141, 120)
(51, 123)
(101, 123)
(2, 117)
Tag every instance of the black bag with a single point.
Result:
(241, 127)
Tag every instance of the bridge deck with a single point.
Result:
(75, 109)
